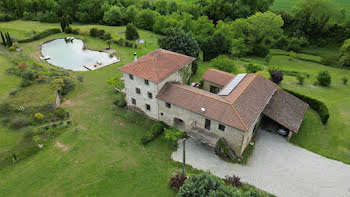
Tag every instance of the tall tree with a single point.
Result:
(216, 45)
(113, 16)
(312, 16)
(177, 40)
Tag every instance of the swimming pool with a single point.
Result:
(71, 55)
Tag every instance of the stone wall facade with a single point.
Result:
(142, 99)
(237, 139)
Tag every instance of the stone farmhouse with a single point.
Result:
(228, 106)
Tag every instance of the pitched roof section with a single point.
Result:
(193, 99)
(157, 65)
(253, 98)
(218, 77)
(239, 109)
(287, 110)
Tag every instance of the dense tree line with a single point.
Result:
(237, 27)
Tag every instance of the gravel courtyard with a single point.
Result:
(277, 167)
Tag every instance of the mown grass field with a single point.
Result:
(101, 155)
(289, 4)
(104, 156)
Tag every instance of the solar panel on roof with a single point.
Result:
(232, 85)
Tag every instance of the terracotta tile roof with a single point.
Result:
(239, 109)
(254, 98)
(218, 77)
(157, 65)
(193, 99)
(287, 110)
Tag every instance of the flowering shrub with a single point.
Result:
(39, 117)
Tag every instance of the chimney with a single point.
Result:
(135, 57)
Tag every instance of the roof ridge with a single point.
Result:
(155, 68)
(240, 118)
(200, 94)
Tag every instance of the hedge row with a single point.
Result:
(156, 130)
(315, 104)
(41, 35)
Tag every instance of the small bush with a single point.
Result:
(120, 42)
(120, 100)
(107, 36)
(18, 122)
(76, 31)
(253, 68)
(26, 83)
(60, 113)
(345, 80)
(224, 63)
(315, 104)
(177, 181)
(276, 76)
(68, 86)
(41, 35)
(28, 75)
(131, 32)
(39, 117)
(324, 78)
(12, 48)
(5, 108)
(235, 181)
(300, 79)
(156, 130)
(94, 32)
(80, 78)
(68, 30)
(128, 44)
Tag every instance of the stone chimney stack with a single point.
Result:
(135, 57)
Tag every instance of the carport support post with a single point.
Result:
(183, 159)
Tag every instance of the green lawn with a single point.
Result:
(289, 4)
(104, 156)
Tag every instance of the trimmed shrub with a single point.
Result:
(41, 35)
(177, 181)
(315, 104)
(156, 130)
(131, 32)
(253, 68)
(107, 36)
(276, 76)
(324, 78)
(94, 32)
(345, 80)
(76, 31)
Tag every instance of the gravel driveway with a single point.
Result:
(277, 167)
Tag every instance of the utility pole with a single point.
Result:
(184, 160)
